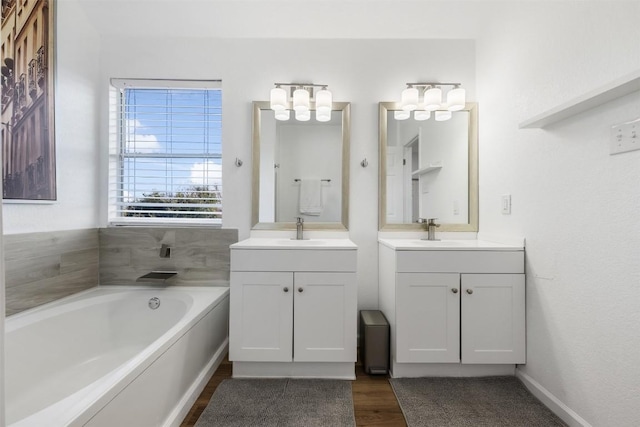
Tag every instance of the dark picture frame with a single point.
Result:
(27, 125)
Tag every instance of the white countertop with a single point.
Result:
(447, 245)
(287, 243)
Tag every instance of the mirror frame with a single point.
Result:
(472, 225)
(343, 225)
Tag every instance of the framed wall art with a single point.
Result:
(28, 143)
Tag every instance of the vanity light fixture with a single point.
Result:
(278, 99)
(456, 98)
(410, 98)
(301, 102)
(425, 97)
(301, 96)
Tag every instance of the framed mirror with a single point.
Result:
(300, 169)
(428, 169)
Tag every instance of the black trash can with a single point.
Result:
(374, 342)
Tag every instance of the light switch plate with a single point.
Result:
(625, 137)
(506, 204)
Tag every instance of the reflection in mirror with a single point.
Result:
(428, 169)
(300, 169)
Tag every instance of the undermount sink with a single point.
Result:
(442, 243)
(446, 245)
(284, 243)
(303, 242)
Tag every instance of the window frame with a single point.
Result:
(117, 139)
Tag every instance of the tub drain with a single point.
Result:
(154, 303)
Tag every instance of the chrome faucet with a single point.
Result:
(299, 228)
(430, 227)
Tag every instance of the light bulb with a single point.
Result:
(441, 116)
(421, 115)
(432, 98)
(324, 100)
(401, 114)
(456, 98)
(409, 99)
(278, 99)
(303, 116)
(301, 100)
(283, 115)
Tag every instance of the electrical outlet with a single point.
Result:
(625, 137)
(506, 204)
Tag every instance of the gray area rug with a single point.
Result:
(279, 402)
(484, 401)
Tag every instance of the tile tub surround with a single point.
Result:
(200, 255)
(44, 267)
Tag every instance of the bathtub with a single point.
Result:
(104, 357)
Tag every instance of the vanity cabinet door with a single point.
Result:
(325, 316)
(428, 318)
(493, 318)
(261, 316)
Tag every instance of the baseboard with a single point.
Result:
(418, 370)
(184, 406)
(326, 370)
(556, 406)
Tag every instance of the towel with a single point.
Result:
(311, 196)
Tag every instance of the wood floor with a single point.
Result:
(374, 403)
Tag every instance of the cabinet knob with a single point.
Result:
(286, 289)
(469, 291)
(300, 290)
(454, 290)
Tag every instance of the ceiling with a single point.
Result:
(328, 19)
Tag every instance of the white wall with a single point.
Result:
(76, 125)
(577, 206)
(249, 67)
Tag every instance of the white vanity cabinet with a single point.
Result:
(293, 311)
(453, 310)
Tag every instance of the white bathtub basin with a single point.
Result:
(81, 361)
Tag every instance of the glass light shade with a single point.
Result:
(401, 115)
(441, 116)
(456, 99)
(303, 116)
(409, 99)
(300, 100)
(278, 99)
(283, 115)
(421, 115)
(323, 116)
(432, 98)
(324, 101)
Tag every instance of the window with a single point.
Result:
(166, 152)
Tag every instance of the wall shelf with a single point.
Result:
(432, 167)
(615, 89)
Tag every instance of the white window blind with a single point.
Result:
(166, 166)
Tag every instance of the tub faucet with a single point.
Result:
(165, 251)
(430, 227)
(299, 228)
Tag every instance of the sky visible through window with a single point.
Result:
(172, 141)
